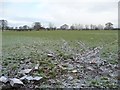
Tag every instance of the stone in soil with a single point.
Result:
(16, 82)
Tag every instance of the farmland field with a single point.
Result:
(91, 38)
(54, 50)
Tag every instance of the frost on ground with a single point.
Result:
(33, 66)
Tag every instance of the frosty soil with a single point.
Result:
(63, 67)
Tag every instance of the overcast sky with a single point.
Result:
(58, 12)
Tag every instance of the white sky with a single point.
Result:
(58, 12)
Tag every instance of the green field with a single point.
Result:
(50, 39)
(18, 46)
(91, 38)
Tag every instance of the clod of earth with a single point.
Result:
(114, 74)
(90, 68)
(74, 71)
(26, 71)
(30, 78)
(4, 79)
(50, 55)
(37, 67)
(15, 82)
(52, 81)
(70, 78)
(36, 78)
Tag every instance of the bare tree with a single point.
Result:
(72, 27)
(20, 28)
(75, 26)
(16, 27)
(25, 27)
(64, 27)
(86, 27)
(91, 26)
(3, 24)
(109, 26)
(37, 26)
(51, 26)
(80, 26)
(100, 27)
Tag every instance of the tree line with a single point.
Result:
(37, 26)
